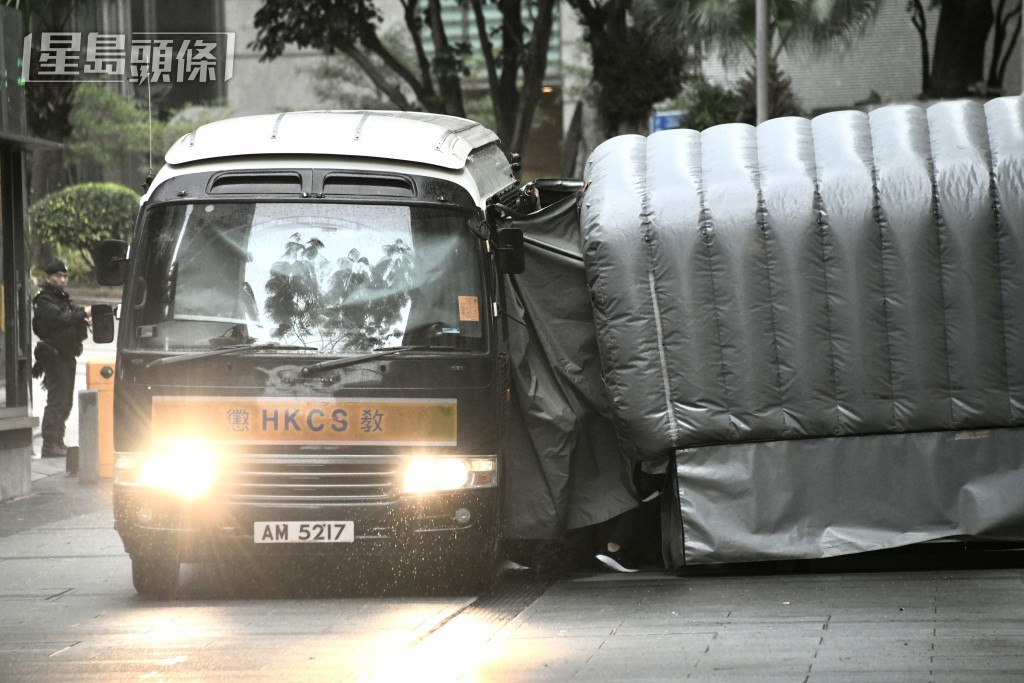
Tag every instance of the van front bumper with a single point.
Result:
(438, 525)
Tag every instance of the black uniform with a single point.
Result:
(61, 326)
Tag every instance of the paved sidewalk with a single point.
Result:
(56, 498)
(71, 614)
(929, 626)
(46, 467)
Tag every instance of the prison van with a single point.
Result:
(311, 354)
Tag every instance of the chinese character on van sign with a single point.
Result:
(372, 420)
(238, 420)
(138, 58)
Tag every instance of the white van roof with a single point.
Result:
(432, 139)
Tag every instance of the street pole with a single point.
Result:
(761, 47)
(88, 437)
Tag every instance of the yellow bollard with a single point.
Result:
(99, 375)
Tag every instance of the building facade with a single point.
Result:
(16, 419)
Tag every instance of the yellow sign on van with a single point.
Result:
(297, 421)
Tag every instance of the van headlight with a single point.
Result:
(430, 475)
(186, 470)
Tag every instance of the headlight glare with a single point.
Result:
(429, 475)
(424, 475)
(186, 470)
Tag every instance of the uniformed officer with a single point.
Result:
(61, 326)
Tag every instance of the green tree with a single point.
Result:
(78, 217)
(342, 83)
(515, 64)
(730, 24)
(957, 66)
(113, 136)
(47, 97)
(640, 51)
(782, 100)
(708, 104)
(1006, 27)
(107, 130)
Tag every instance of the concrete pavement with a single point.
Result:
(71, 614)
(932, 619)
(45, 467)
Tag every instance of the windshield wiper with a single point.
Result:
(224, 350)
(378, 353)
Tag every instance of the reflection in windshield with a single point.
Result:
(336, 277)
(354, 302)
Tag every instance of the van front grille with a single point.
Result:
(303, 480)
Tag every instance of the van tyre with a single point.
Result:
(155, 573)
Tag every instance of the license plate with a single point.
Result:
(303, 532)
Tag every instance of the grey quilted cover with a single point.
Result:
(855, 275)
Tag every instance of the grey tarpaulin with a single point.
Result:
(565, 468)
(823, 321)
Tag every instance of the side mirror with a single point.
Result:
(111, 259)
(511, 253)
(102, 323)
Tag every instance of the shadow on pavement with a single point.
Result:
(938, 556)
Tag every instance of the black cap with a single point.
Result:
(55, 267)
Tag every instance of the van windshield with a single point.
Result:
(338, 278)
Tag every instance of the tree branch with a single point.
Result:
(486, 47)
(446, 64)
(371, 41)
(920, 22)
(512, 31)
(413, 26)
(535, 61)
(591, 12)
(393, 92)
(1005, 60)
